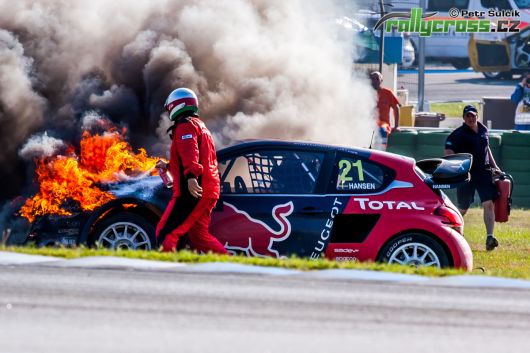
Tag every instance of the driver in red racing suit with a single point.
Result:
(193, 165)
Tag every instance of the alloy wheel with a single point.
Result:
(124, 235)
(415, 254)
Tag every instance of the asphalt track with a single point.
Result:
(443, 84)
(68, 309)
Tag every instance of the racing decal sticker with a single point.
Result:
(358, 175)
(345, 180)
(323, 240)
(357, 186)
(259, 238)
(366, 203)
(346, 254)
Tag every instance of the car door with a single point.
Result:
(489, 55)
(355, 178)
(270, 203)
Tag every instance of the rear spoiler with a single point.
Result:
(447, 172)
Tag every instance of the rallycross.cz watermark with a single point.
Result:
(463, 21)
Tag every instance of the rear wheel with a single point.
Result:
(461, 64)
(415, 250)
(124, 230)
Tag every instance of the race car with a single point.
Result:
(311, 200)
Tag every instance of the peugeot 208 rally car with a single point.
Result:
(312, 200)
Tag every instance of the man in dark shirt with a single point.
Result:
(472, 137)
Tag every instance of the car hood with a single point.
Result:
(146, 188)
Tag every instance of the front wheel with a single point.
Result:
(496, 75)
(126, 231)
(414, 250)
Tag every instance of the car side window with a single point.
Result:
(445, 5)
(271, 172)
(499, 4)
(354, 175)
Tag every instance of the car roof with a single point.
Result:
(251, 144)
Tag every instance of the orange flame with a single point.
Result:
(102, 159)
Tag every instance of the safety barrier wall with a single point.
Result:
(511, 150)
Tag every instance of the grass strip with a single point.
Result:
(296, 263)
(512, 257)
(452, 109)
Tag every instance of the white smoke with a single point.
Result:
(261, 68)
(41, 146)
(92, 120)
(21, 108)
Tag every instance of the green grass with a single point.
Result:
(191, 257)
(510, 259)
(452, 109)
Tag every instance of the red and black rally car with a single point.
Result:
(312, 200)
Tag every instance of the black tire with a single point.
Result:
(461, 64)
(497, 75)
(405, 243)
(507, 75)
(104, 236)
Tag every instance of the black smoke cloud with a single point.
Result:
(261, 68)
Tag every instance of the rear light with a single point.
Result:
(451, 218)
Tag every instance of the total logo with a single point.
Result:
(366, 204)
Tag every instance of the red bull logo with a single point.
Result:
(250, 235)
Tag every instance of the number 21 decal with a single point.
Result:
(345, 165)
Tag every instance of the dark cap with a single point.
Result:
(469, 108)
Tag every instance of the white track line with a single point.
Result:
(11, 258)
(115, 262)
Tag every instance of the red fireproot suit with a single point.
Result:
(192, 155)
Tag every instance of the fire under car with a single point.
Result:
(292, 198)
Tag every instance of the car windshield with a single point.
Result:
(522, 4)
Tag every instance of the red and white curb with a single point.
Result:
(111, 262)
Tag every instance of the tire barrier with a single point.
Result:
(430, 144)
(510, 149)
(495, 146)
(403, 143)
(516, 138)
(516, 152)
(514, 165)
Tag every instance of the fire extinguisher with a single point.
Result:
(164, 174)
(503, 203)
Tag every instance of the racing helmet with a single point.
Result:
(180, 102)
